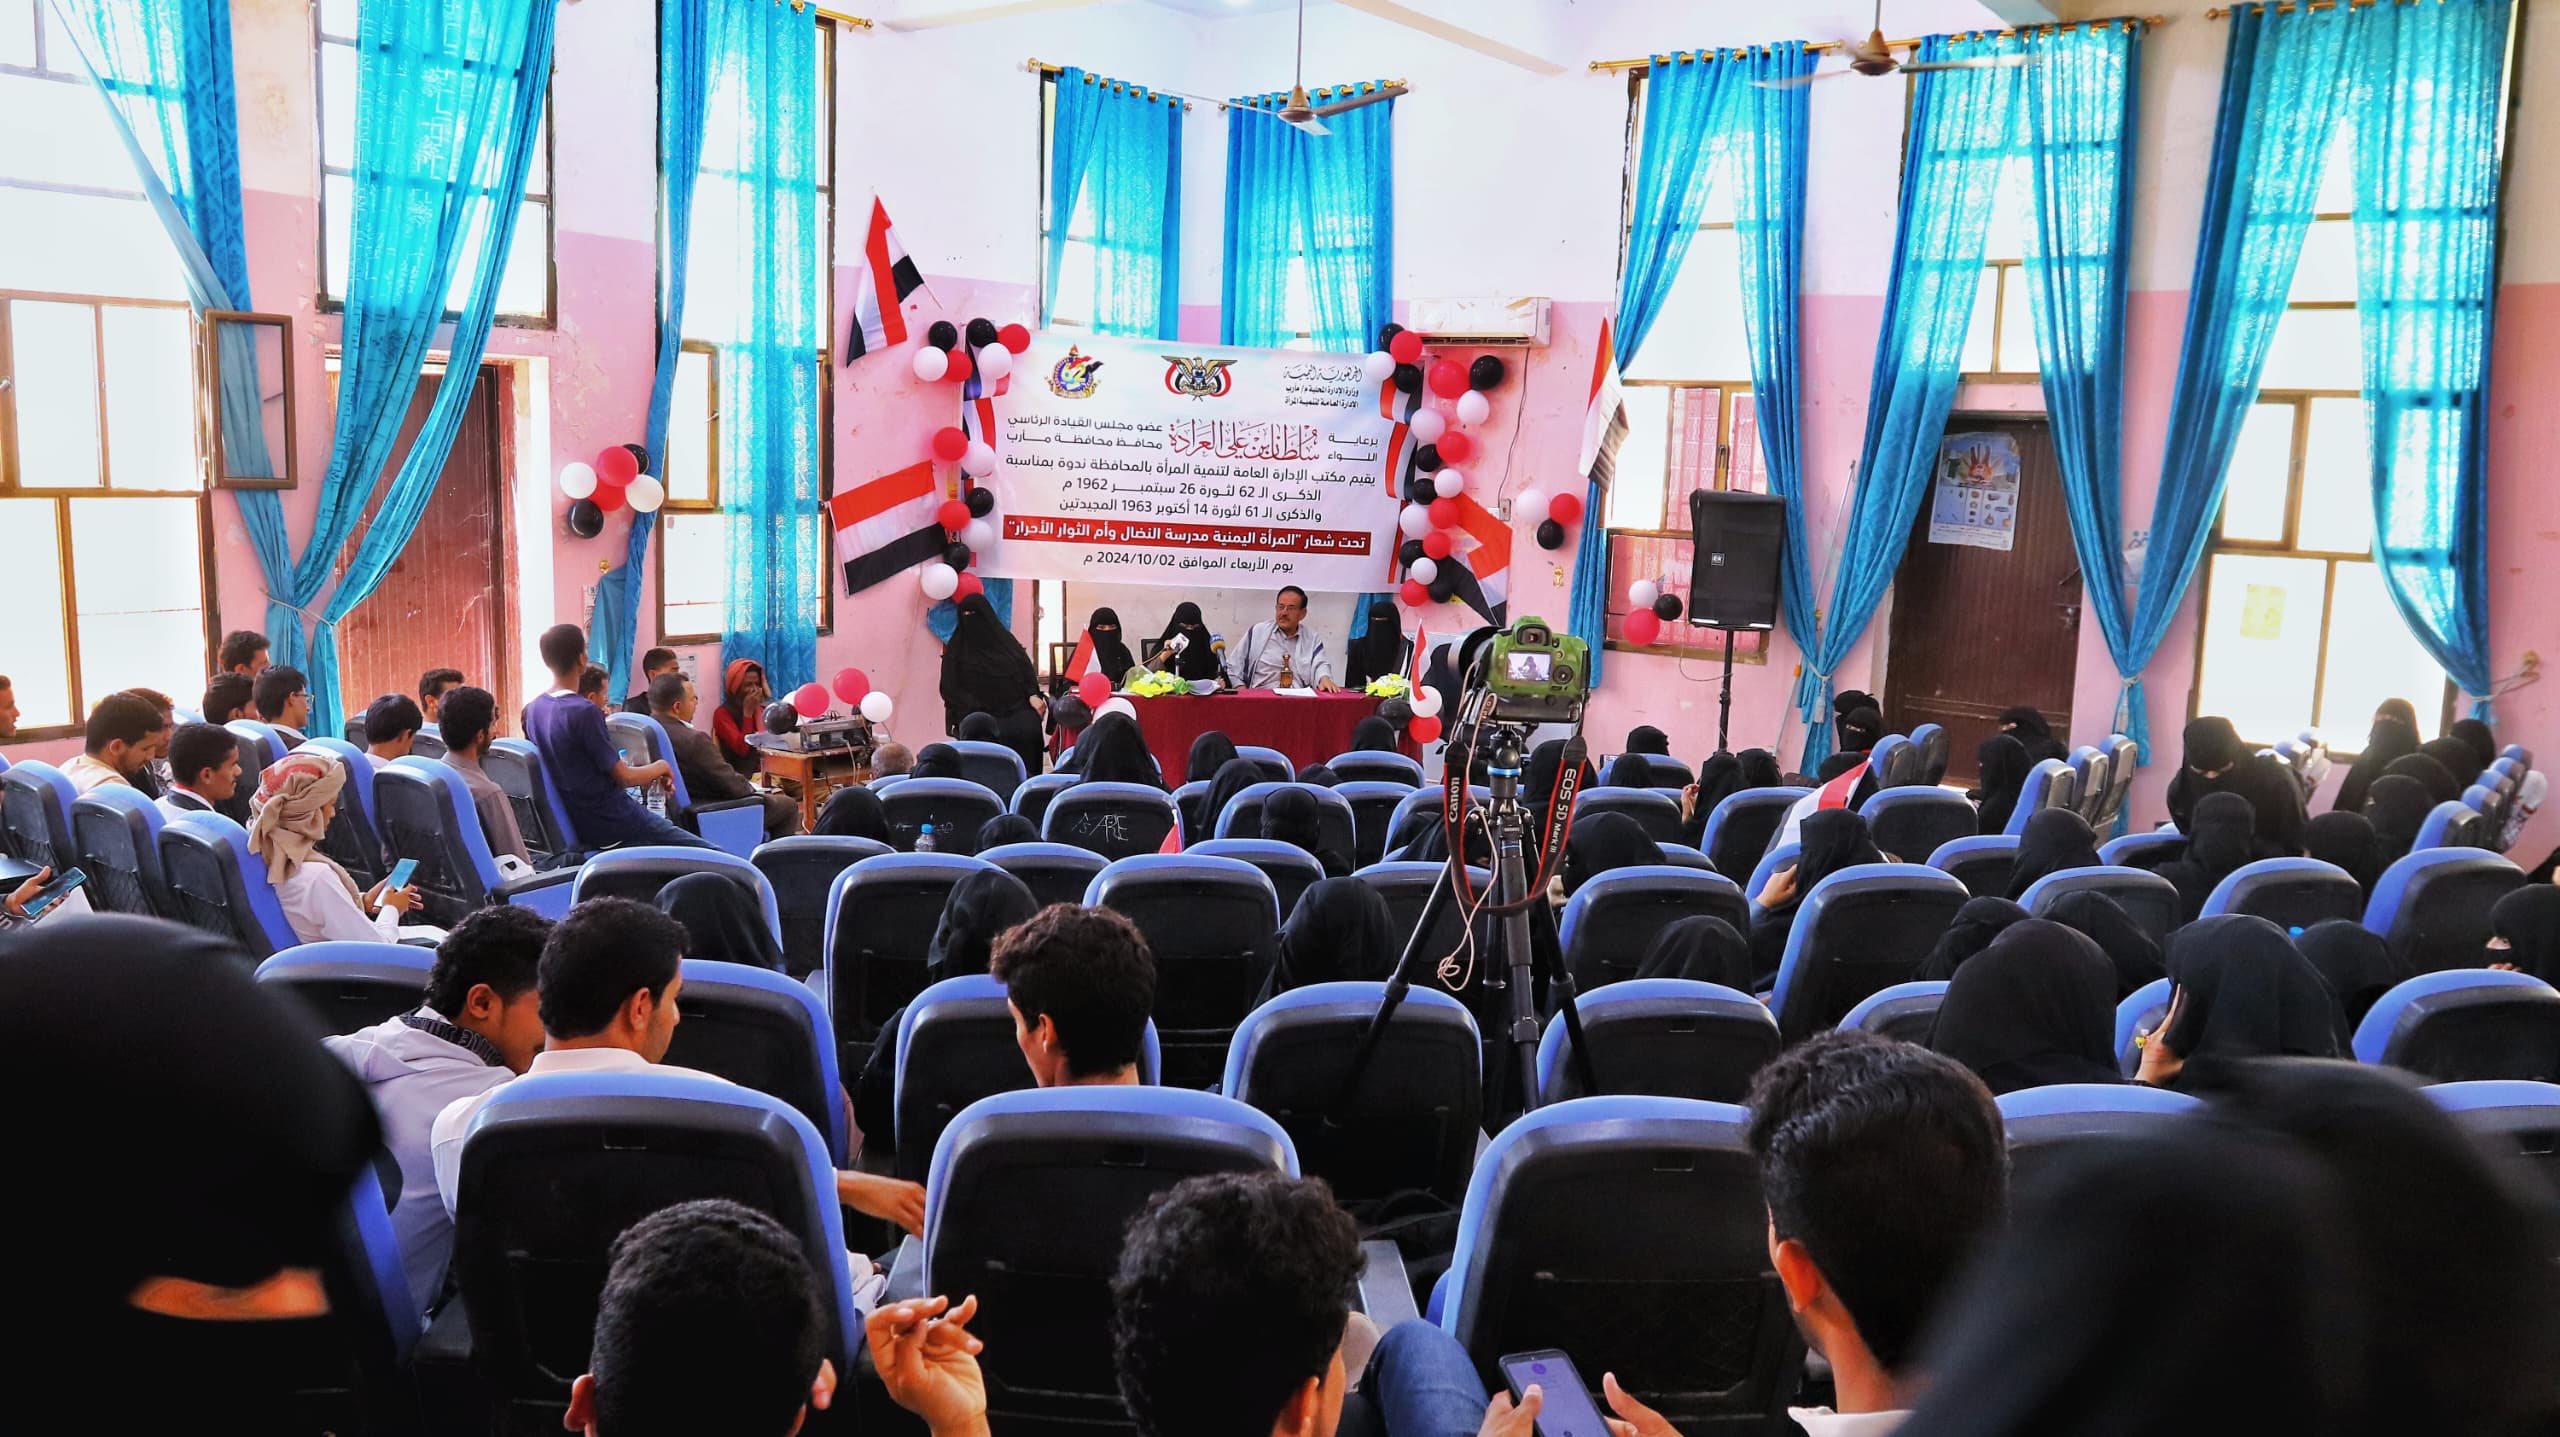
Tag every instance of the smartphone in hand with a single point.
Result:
(401, 873)
(1566, 1409)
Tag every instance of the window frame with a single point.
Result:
(2004, 273)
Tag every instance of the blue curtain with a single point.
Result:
(1769, 220)
(448, 98)
(1690, 100)
(1332, 197)
(2079, 101)
(1120, 146)
(1587, 604)
(2427, 107)
(1961, 129)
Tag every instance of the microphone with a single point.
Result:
(1177, 643)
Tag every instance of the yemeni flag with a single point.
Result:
(1482, 577)
(881, 283)
(1604, 418)
(887, 525)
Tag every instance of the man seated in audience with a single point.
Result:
(710, 1321)
(204, 773)
(480, 1025)
(591, 681)
(891, 758)
(226, 697)
(153, 777)
(1081, 983)
(470, 724)
(708, 778)
(580, 758)
(282, 697)
(431, 688)
(391, 725)
(123, 735)
(8, 708)
(652, 664)
(244, 652)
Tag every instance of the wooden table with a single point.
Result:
(812, 774)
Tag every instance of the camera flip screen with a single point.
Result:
(1529, 668)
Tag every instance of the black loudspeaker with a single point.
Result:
(1737, 539)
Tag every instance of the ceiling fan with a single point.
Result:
(1311, 117)
(1872, 56)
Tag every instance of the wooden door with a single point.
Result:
(1978, 629)
(445, 603)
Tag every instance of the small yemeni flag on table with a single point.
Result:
(887, 525)
(881, 283)
(1604, 419)
(1081, 662)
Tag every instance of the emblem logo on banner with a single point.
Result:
(1199, 378)
(1076, 376)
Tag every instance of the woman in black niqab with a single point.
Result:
(853, 811)
(2461, 763)
(1830, 840)
(1760, 769)
(1296, 817)
(1210, 752)
(2003, 765)
(1115, 751)
(980, 907)
(2036, 1007)
(1719, 778)
(1373, 735)
(1233, 777)
(2134, 952)
(2428, 772)
(1198, 660)
(1378, 652)
(2221, 837)
(1978, 922)
(2390, 738)
(1340, 932)
(986, 670)
(937, 760)
(2345, 838)
(1603, 842)
(722, 922)
(2055, 840)
(2524, 932)
(2216, 761)
(2242, 990)
(2355, 962)
(1701, 950)
(2034, 733)
(1111, 656)
(2397, 806)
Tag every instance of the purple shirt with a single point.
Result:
(579, 756)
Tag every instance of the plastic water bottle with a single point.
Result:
(924, 839)
(658, 799)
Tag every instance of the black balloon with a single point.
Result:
(982, 502)
(781, 717)
(1408, 551)
(1427, 458)
(1409, 378)
(1443, 589)
(982, 332)
(1486, 372)
(1425, 489)
(1550, 534)
(956, 554)
(586, 520)
(639, 455)
(942, 334)
(1387, 333)
(1667, 608)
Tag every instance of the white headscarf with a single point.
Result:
(288, 818)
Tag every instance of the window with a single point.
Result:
(1072, 288)
(524, 291)
(2000, 344)
(2298, 628)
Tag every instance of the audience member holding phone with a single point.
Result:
(43, 896)
(297, 796)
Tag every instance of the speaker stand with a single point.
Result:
(1724, 696)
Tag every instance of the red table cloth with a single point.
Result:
(1307, 729)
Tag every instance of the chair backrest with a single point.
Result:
(1334, 820)
(221, 887)
(801, 869)
(348, 986)
(638, 873)
(1374, 805)
(1414, 1122)
(2291, 893)
(556, 1166)
(35, 814)
(1291, 869)
(1406, 887)
(260, 745)
(881, 917)
(2124, 756)
(1661, 770)
(2520, 1118)
(1739, 829)
(1032, 797)
(424, 811)
(1210, 924)
(1982, 863)
(1610, 922)
(643, 740)
(956, 1045)
(1589, 1210)
(2046, 1123)
(2463, 1024)
(1932, 742)
(2048, 785)
(992, 766)
(1916, 820)
(117, 833)
(2137, 1013)
(1780, 855)
(1275, 765)
(1376, 766)
(2093, 775)
(1190, 806)
(1666, 1037)
(1893, 761)
(354, 837)
(2519, 753)
(1656, 812)
(1413, 800)
(761, 1030)
(1681, 855)
(2480, 798)
(2148, 849)
(2432, 906)
(2150, 900)
(516, 766)
(429, 744)
(1054, 872)
(1042, 1269)
(1116, 820)
(955, 807)
(353, 730)
(1863, 928)
(2450, 824)
(1907, 1011)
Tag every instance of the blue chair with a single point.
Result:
(1681, 855)
(638, 874)
(2137, 1013)
(2521, 1118)
(1661, 770)
(1415, 1120)
(761, 1030)
(222, 887)
(2091, 773)
(1211, 924)
(348, 986)
(2148, 849)
(1374, 804)
(2519, 753)
(516, 766)
(1905, 1011)
(1414, 800)
(956, 807)
(1917, 820)
(2150, 900)
(990, 765)
(2124, 756)
(1243, 817)
(1933, 745)
(429, 744)
(1610, 922)
(1190, 806)
(1291, 869)
(2291, 893)
(882, 783)
(425, 813)
(881, 917)
(1054, 872)
(260, 745)
(1982, 863)
(1739, 829)
(2048, 785)
(1116, 820)
(1656, 812)
(1275, 765)
(1376, 767)
(556, 1166)
(354, 837)
(801, 869)
(956, 1045)
(1663, 1037)
(1893, 762)
(1407, 888)
(117, 832)
(1780, 855)
(1042, 1268)
(1585, 1212)
(2044, 1124)
(1032, 797)
(2450, 824)
(1863, 928)
(733, 825)
(2480, 799)
(2432, 906)
(353, 730)
(35, 815)
(2465, 1024)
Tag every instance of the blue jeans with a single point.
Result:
(643, 827)
(1420, 1383)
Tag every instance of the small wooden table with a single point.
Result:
(812, 774)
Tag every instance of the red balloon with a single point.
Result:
(1446, 379)
(1094, 688)
(949, 443)
(1414, 594)
(1565, 508)
(1444, 513)
(609, 497)
(1643, 627)
(1424, 729)
(1406, 346)
(615, 467)
(961, 366)
(1014, 337)
(852, 684)
(1456, 445)
(1436, 545)
(953, 516)
(810, 700)
(970, 585)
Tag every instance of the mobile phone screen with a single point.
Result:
(1566, 1409)
(56, 891)
(402, 872)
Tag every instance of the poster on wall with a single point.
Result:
(1975, 501)
(1158, 462)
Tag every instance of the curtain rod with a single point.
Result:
(1817, 47)
(1043, 67)
(2288, 7)
(824, 13)
(1038, 66)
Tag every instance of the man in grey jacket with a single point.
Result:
(708, 778)
(480, 1025)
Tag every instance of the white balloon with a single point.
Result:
(1643, 592)
(644, 494)
(1428, 425)
(1117, 706)
(940, 580)
(1473, 407)
(995, 361)
(980, 460)
(1415, 521)
(1530, 507)
(931, 364)
(577, 479)
(1452, 482)
(977, 534)
(1425, 702)
(1379, 367)
(876, 705)
(1422, 570)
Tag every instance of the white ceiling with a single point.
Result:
(1218, 9)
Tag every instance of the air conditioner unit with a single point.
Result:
(1480, 321)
